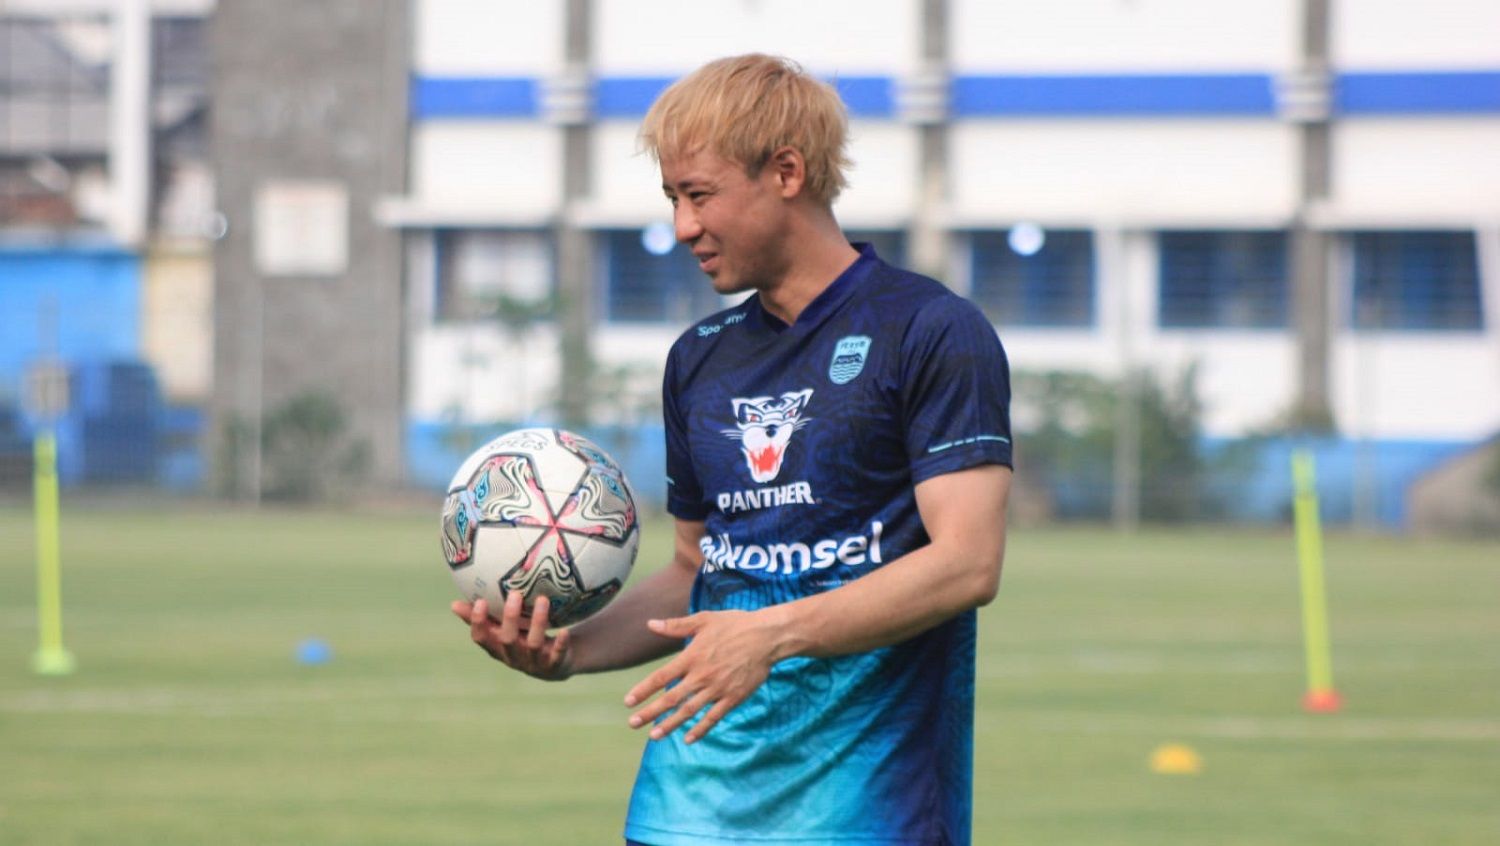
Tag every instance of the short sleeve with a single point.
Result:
(684, 493)
(955, 390)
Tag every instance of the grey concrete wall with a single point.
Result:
(1457, 498)
(311, 91)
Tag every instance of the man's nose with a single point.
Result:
(685, 220)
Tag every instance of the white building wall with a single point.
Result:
(627, 184)
(671, 37)
(510, 171)
(882, 189)
(1416, 385)
(1097, 36)
(1400, 172)
(1402, 35)
(504, 38)
(474, 373)
(1073, 172)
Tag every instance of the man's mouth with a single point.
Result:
(707, 262)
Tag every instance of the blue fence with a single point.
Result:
(434, 450)
(80, 303)
(1356, 479)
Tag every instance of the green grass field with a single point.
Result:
(190, 722)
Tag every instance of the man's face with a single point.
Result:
(733, 223)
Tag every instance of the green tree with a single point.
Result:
(307, 452)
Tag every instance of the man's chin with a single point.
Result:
(726, 286)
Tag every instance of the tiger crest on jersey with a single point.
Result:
(764, 429)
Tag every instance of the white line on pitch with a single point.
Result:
(1319, 727)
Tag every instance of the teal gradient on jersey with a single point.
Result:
(872, 748)
(856, 772)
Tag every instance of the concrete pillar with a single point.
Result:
(922, 102)
(1310, 245)
(130, 122)
(310, 96)
(575, 250)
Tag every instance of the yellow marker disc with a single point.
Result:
(1176, 759)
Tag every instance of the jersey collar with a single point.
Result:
(824, 303)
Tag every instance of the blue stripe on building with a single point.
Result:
(1451, 92)
(627, 97)
(867, 96)
(1059, 95)
(631, 97)
(474, 97)
(614, 97)
(1102, 96)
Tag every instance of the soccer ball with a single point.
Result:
(544, 512)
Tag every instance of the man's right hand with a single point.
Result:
(519, 642)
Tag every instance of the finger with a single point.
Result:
(479, 619)
(677, 627)
(709, 720)
(657, 707)
(536, 634)
(510, 618)
(654, 682)
(681, 715)
(480, 626)
(558, 653)
(462, 609)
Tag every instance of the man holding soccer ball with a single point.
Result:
(838, 461)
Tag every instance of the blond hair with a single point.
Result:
(744, 108)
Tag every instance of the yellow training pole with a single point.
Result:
(51, 658)
(1321, 697)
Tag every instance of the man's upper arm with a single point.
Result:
(964, 514)
(686, 553)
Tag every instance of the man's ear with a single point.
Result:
(790, 170)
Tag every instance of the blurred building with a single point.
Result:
(309, 131)
(106, 217)
(434, 210)
(1302, 198)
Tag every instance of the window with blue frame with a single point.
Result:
(1051, 284)
(645, 287)
(504, 274)
(1223, 280)
(889, 244)
(1416, 280)
(642, 286)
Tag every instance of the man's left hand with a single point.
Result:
(730, 655)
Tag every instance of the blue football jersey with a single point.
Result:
(799, 447)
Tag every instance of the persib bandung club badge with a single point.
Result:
(848, 358)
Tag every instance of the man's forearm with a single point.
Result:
(960, 569)
(617, 637)
(898, 601)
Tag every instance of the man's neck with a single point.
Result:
(819, 257)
